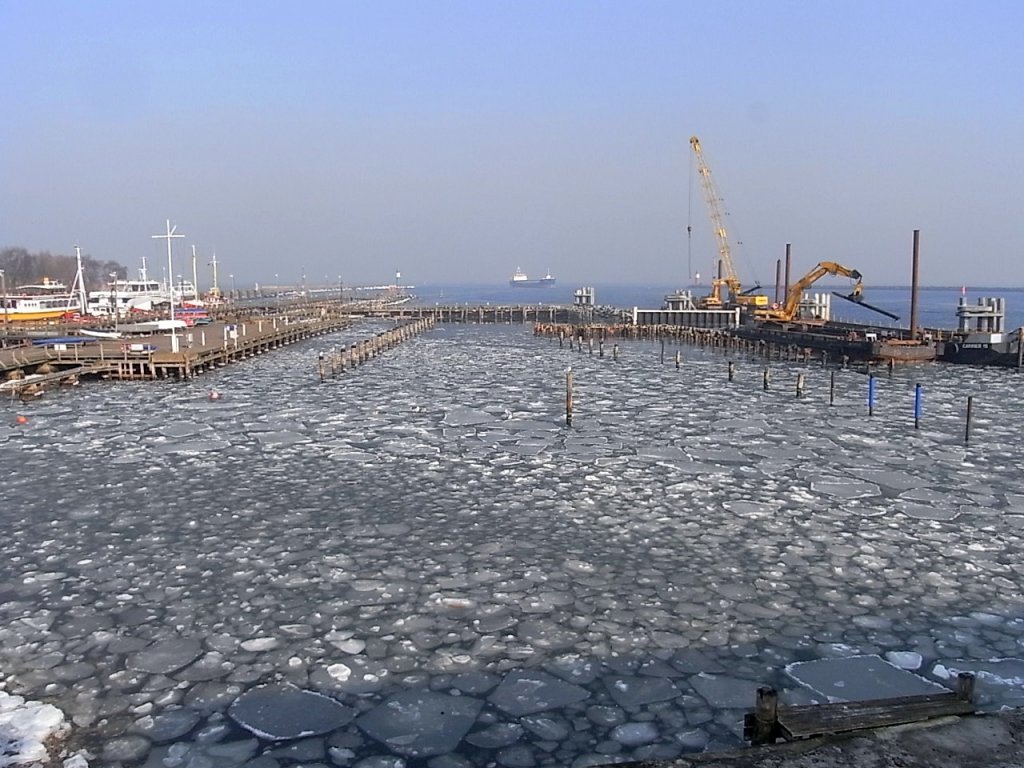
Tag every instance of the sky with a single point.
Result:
(458, 140)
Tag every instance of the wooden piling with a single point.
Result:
(832, 389)
(970, 414)
(615, 352)
(732, 370)
(767, 377)
(766, 716)
(678, 358)
(965, 686)
(568, 398)
(800, 381)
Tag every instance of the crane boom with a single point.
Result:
(729, 279)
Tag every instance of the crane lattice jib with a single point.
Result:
(717, 220)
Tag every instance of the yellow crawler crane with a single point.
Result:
(729, 279)
(789, 308)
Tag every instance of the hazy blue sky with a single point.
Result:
(457, 140)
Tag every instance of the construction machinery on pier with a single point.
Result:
(725, 279)
(789, 310)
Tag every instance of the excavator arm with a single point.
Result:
(789, 308)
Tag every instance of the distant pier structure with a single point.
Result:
(987, 316)
(681, 309)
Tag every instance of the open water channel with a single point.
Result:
(419, 564)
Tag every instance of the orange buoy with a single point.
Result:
(22, 419)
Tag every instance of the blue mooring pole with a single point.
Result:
(917, 406)
(871, 395)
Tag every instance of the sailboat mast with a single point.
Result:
(195, 275)
(79, 282)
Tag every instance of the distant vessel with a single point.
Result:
(521, 280)
(49, 300)
(122, 297)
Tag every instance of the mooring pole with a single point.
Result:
(917, 406)
(568, 398)
(678, 357)
(871, 394)
(832, 389)
(662, 351)
(767, 377)
(732, 370)
(970, 415)
(766, 716)
(800, 382)
(913, 286)
(785, 285)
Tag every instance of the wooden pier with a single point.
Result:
(769, 721)
(196, 351)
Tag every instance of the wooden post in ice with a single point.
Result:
(561, 339)
(321, 364)
(732, 370)
(766, 716)
(767, 377)
(568, 397)
(678, 358)
(832, 389)
(965, 686)
(600, 348)
(615, 351)
(662, 351)
(800, 381)
(970, 414)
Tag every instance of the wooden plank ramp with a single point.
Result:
(769, 721)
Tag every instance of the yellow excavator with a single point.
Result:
(729, 279)
(789, 308)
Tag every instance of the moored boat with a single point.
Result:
(48, 300)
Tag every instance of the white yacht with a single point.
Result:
(123, 297)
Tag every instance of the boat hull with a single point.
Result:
(541, 283)
(31, 316)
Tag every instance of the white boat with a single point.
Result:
(153, 326)
(122, 297)
(101, 334)
(48, 300)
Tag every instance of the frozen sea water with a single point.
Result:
(425, 537)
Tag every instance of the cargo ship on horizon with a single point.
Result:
(521, 280)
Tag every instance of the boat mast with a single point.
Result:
(79, 284)
(170, 272)
(214, 289)
(195, 275)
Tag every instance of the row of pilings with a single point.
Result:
(338, 361)
(594, 337)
